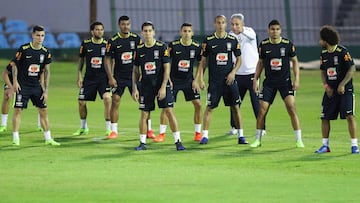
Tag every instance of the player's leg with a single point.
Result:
(5, 111)
(44, 120)
(162, 128)
(39, 128)
(266, 97)
(329, 111)
(107, 105)
(291, 109)
(197, 119)
(352, 131)
(254, 97)
(347, 111)
(114, 115)
(16, 125)
(142, 129)
(83, 130)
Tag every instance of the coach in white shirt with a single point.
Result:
(246, 36)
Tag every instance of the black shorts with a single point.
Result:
(32, 93)
(186, 87)
(121, 86)
(90, 88)
(230, 94)
(268, 93)
(147, 98)
(332, 106)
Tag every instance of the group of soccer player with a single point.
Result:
(152, 70)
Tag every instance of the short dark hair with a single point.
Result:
(329, 35)
(38, 28)
(92, 26)
(123, 18)
(186, 25)
(147, 23)
(274, 22)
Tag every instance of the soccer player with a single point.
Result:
(218, 49)
(120, 54)
(152, 63)
(8, 95)
(337, 70)
(92, 52)
(184, 52)
(31, 75)
(275, 54)
(246, 36)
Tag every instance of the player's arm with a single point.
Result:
(327, 88)
(258, 71)
(135, 79)
(5, 76)
(14, 72)
(349, 74)
(296, 70)
(109, 68)
(80, 68)
(162, 91)
(199, 77)
(231, 76)
(46, 78)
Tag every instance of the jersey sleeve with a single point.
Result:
(48, 58)
(205, 48)
(261, 53)
(198, 53)
(81, 50)
(166, 54)
(347, 59)
(292, 52)
(236, 48)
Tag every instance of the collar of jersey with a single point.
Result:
(182, 43)
(93, 41)
(273, 42)
(128, 35)
(226, 34)
(151, 45)
(31, 45)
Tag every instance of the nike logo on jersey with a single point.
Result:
(142, 55)
(268, 52)
(214, 46)
(197, 96)
(89, 50)
(28, 57)
(178, 52)
(118, 46)
(325, 60)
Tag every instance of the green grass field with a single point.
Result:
(84, 169)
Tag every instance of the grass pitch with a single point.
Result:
(87, 169)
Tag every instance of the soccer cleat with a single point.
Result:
(242, 140)
(3, 128)
(39, 129)
(150, 134)
(179, 146)
(354, 150)
(197, 136)
(112, 135)
(256, 143)
(108, 132)
(142, 146)
(160, 138)
(233, 131)
(323, 149)
(299, 144)
(82, 131)
(52, 142)
(204, 140)
(16, 142)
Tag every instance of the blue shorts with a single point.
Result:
(147, 98)
(90, 88)
(32, 93)
(332, 106)
(121, 86)
(268, 93)
(230, 94)
(186, 87)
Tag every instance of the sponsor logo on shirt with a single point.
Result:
(222, 58)
(331, 73)
(184, 65)
(126, 57)
(96, 62)
(276, 64)
(150, 68)
(34, 70)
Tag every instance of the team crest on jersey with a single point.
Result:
(228, 46)
(282, 51)
(34, 70)
(222, 58)
(331, 73)
(192, 54)
(184, 65)
(336, 60)
(132, 44)
(150, 68)
(103, 49)
(156, 54)
(42, 57)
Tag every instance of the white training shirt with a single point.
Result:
(249, 51)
